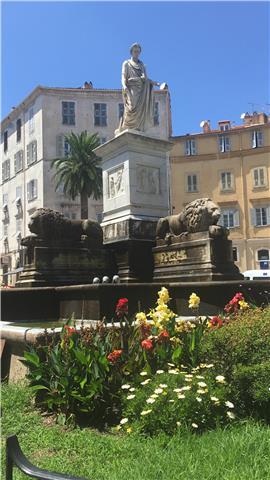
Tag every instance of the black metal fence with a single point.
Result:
(16, 458)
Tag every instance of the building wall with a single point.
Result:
(45, 127)
(208, 164)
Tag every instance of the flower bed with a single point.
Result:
(85, 374)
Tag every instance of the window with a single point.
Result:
(31, 120)
(99, 217)
(100, 114)
(31, 190)
(226, 181)
(259, 177)
(121, 109)
(224, 143)
(62, 146)
(263, 256)
(73, 216)
(257, 139)
(229, 218)
(190, 147)
(18, 130)
(18, 161)
(5, 230)
(235, 254)
(192, 184)
(18, 225)
(5, 141)
(225, 127)
(156, 113)
(260, 216)
(32, 152)
(5, 198)
(68, 113)
(6, 170)
(5, 207)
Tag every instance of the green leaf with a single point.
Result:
(32, 358)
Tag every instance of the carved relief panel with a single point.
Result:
(116, 182)
(147, 179)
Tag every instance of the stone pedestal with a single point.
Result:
(47, 265)
(135, 196)
(194, 257)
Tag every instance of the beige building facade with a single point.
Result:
(231, 165)
(33, 134)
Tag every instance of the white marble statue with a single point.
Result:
(137, 94)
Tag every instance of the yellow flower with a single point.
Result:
(194, 301)
(141, 317)
(163, 296)
(243, 305)
(129, 430)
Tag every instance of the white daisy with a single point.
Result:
(123, 421)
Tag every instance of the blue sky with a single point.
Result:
(213, 55)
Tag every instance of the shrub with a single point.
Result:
(176, 400)
(242, 349)
(72, 375)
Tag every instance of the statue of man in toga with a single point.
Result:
(137, 93)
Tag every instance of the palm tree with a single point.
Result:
(80, 173)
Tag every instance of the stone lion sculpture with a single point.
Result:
(198, 216)
(51, 226)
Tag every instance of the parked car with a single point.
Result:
(257, 274)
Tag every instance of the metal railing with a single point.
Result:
(15, 457)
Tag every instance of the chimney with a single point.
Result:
(205, 125)
(255, 118)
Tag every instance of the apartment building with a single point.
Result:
(231, 165)
(33, 134)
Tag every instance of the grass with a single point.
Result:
(241, 452)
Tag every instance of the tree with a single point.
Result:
(79, 172)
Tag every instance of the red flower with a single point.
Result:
(164, 335)
(233, 305)
(114, 356)
(147, 344)
(122, 307)
(216, 322)
(70, 330)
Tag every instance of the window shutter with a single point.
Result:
(8, 168)
(254, 139)
(253, 216)
(193, 147)
(256, 177)
(221, 144)
(261, 172)
(236, 219)
(28, 191)
(35, 188)
(187, 148)
(227, 144)
(28, 154)
(260, 139)
(268, 215)
(59, 146)
(194, 183)
(35, 151)
(15, 163)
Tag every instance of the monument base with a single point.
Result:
(194, 257)
(131, 240)
(63, 265)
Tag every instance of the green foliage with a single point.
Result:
(238, 452)
(80, 173)
(71, 376)
(176, 400)
(242, 349)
